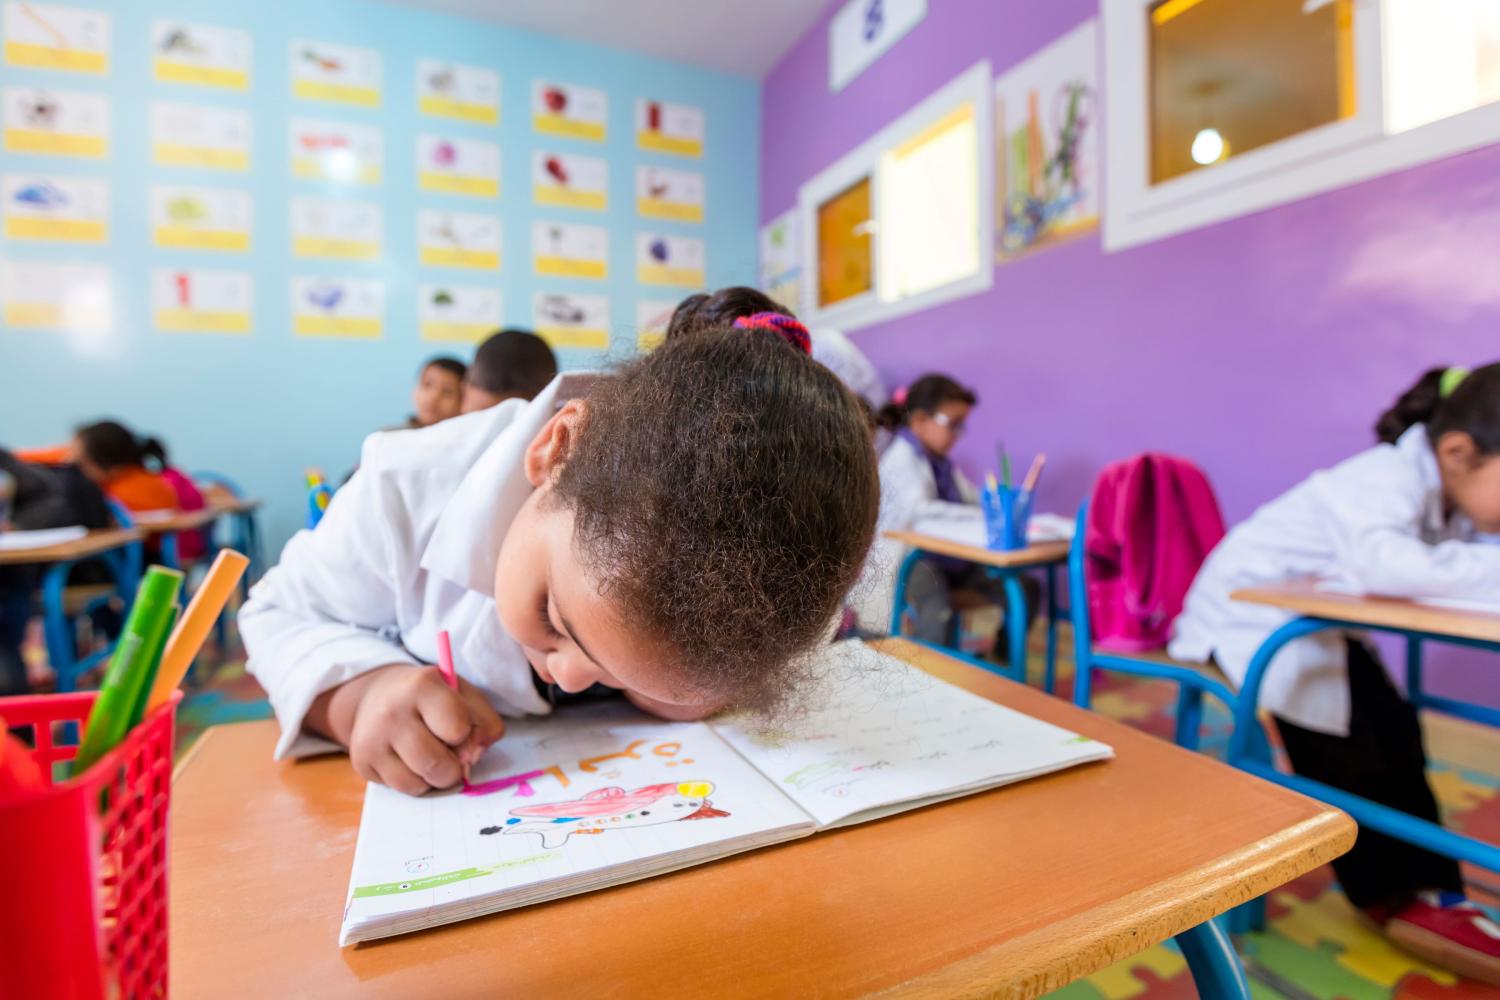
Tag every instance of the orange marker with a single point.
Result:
(195, 624)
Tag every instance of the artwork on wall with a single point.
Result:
(1047, 132)
(453, 90)
(464, 314)
(568, 180)
(73, 298)
(200, 218)
(336, 151)
(43, 36)
(197, 135)
(201, 55)
(336, 229)
(199, 300)
(450, 165)
(651, 319)
(458, 239)
(664, 127)
(55, 122)
(569, 110)
(561, 250)
(566, 320)
(661, 193)
(337, 307)
(663, 259)
(781, 260)
(55, 209)
(338, 74)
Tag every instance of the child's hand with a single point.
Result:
(406, 728)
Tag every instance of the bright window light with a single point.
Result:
(928, 207)
(1442, 57)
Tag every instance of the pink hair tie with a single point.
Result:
(784, 326)
(899, 396)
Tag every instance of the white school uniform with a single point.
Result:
(406, 549)
(908, 494)
(1374, 524)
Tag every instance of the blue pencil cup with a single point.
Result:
(1007, 511)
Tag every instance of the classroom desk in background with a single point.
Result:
(1314, 609)
(108, 545)
(168, 527)
(1008, 566)
(1011, 892)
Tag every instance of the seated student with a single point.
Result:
(918, 480)
(511, 364)
(1397, 520)
(135, 473)
(602, 533)
(438, 392)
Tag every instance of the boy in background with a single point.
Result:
(511, 364)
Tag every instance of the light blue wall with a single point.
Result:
(261, 408)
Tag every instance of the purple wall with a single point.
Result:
(1261, 348)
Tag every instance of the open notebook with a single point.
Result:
(594, 797)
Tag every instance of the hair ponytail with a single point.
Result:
(152, 448)
(1445, 400)
(1416, 406)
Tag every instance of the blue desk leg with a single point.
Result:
(1015, 626)
(55, 626)
(903, 578)
(1051, 676)
(169, 551)
(1211, 958)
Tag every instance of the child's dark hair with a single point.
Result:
(111, 445)
(1471, 405)
(925, 394)
(513, 362)
(720, 309)
(446, 363)
(724, 490)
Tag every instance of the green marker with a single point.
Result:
(150, 664)
(132, 665)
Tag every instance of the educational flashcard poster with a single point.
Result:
(669, 260)
(458, 166)
(201, 55)
(568, 180)
(340, 74)
(453, 90)
(569, 110)
(458, 239)
(464, 314)
(668, 194)
(196, 135)
(64, 297)
(669, 128)
(55, 122)
(55, 209)
(200, 300)
(1047, 128)
(42, 36)
(560, 250)
(336, 230)
(337, 307)
(564, 320)
(199, 218)
(336, 151)
(651, 319)
(781, 260)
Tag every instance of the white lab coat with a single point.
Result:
(406, 549)
(908, 494)
(1373, 524)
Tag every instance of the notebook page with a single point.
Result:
(889, 737)
(580, 800)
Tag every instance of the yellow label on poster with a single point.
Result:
(650, 340)
(335, 249)
(352, 327)
(594, 201)
(573, 336)
(569, 127)
(187, 238)
(171, 154)
(311, 168)
(658, 208)
(571, 267)
(661, 143)
(338, 93)
(56, 230)
(46, 57)
(476, 187)
(26, 140)
(168, 71)
(457, 333)
(660, 274)
(201, 321)
(33, 315)
(481, 260)
(447, 107)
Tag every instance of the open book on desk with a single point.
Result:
(601, 795)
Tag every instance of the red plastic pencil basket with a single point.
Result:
(85, 909)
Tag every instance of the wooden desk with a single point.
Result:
(1007, 565)
(1007, 893)
(1303, 597)
(92, 544)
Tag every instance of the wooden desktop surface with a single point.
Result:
(1304, 598)
(1011, 892)
(1035, 554)
(91, 544)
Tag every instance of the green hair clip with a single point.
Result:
(1451, 380)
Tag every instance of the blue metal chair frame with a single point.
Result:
(124, 564)
(1015, 618)
(1247, 755)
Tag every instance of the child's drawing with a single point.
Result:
(611, 809)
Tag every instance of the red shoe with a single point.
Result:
(1450, 931)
